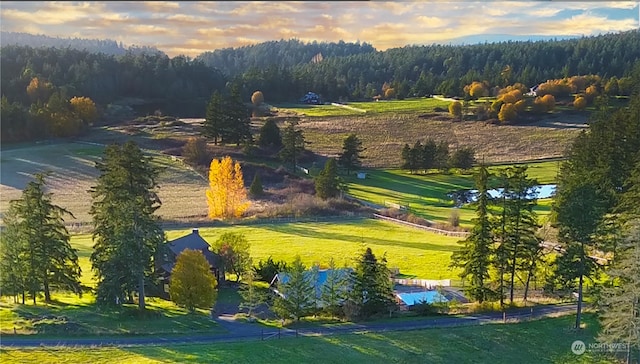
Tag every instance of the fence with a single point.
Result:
(461, 234)
(427, 283)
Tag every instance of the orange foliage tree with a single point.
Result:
(226, 195)
(580, 103)
(507, 112)
(85, 109)
(39, 90)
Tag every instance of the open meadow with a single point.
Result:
(414, 105)
(416, 252)
(384, 135)
(426, 195)
(542, 341)
(73, 172)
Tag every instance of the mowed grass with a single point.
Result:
(73, 173)
(426, 195)
(414, 251)
(316, 110)
(414, 105)
(70, 315)
(543, 341)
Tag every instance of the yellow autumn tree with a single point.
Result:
(580, 103)
(192, 284)
(507, 112)
(226, 196)
(84, 108)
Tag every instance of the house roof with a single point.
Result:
(321, 277)
(195, 242)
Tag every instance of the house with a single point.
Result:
(311, 98)
(321, 279)
(166, 258)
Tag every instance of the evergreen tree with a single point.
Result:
(327, 183)
(428, 155)
(334, 289)
(292, 144)
(41, 244)
(237, 124)
(297, 290)
(475, 256)
(405, 154)
(372, 289)
(521, 222)
(252, 298)
(620, 315)
(214, 119)
(350, 157)
(127, 234)
(462, 158)
(270, 135)
(13, 252)
(255, 189)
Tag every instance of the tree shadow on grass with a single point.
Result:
(318, 233)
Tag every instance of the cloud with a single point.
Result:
(194, 27)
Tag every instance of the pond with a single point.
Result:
(462, 197)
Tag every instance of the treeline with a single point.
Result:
(106, 46)
(146, 81)
(285, 70)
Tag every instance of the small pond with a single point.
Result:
(462, 197)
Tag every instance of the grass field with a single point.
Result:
(384, 135)
(418, 105)
(73, 173)
(426, 195)
(70, 315)
(416, 252)
(543, 341)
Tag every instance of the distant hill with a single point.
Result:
(106, 46)
(284, 53)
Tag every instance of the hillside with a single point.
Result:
(106, 46)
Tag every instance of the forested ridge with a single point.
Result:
(286, 70)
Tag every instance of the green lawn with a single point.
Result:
(70, 315)
(417, 105)
(416, 252)
(543, 341)
(426, 195)
(317, 110)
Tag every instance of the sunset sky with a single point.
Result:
(191, 28)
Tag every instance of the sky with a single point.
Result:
(191, 28)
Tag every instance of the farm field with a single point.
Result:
(543, 341)
(426, 195)
(73, 173)
(414, 105)
(384, 135)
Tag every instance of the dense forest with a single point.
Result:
(144, 82)
(106, 46)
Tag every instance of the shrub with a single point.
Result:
(267, 270)
(195, 151)
(454, 218)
